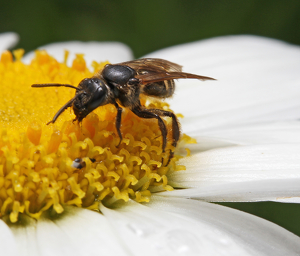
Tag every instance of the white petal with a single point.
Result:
(241, 173)
(25, 235)
(52, 240)
(257, 236)
(8, 245)
(93, 51)
(8, 40)
(147, 231)
(78, 232)
(240, 163)
(257, 81)
(205, 54)
(295, 200)
(286, 191)
(164, 227)
(264, 133)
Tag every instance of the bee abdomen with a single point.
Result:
(163, 89)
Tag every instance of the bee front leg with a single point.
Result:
(118, 122)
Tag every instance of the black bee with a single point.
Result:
(121, 85)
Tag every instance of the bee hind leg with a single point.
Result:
(175, 123)
(148, 113)
(118, 122)
(175, 128)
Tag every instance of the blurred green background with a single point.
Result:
(151, 25)
(147, 25)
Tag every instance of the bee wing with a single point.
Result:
(150, 70)
(151, 64)
(161, 76)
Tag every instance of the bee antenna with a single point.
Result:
(55, 85)
(63, 108)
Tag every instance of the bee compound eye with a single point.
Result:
(98, 97)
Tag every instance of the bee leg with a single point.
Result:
(175, 128)
(170, 157)
(145, 113)
(175, 123)
(118, 122)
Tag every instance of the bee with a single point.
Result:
(121, 85)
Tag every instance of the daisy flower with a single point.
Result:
(122, 200)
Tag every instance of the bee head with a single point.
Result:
(92, 93)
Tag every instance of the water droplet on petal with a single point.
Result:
(142, 230)
(181, 242)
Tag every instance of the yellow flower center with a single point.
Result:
(48, 166)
